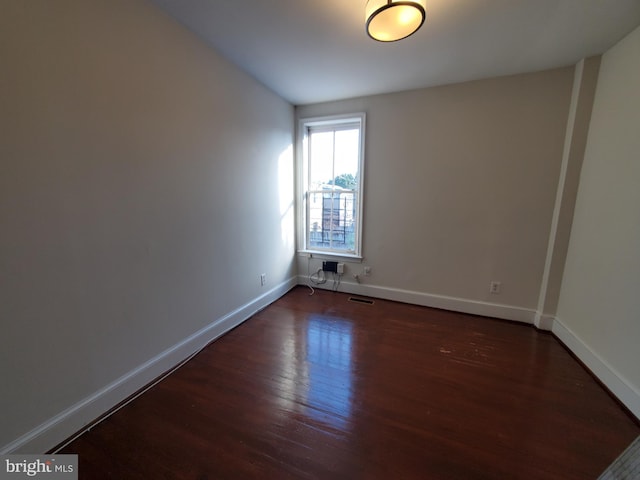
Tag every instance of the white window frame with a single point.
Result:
(302, 187)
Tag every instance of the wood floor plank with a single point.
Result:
(317, 387)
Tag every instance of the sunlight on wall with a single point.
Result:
(285, 190)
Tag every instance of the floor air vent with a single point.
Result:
(366, 301)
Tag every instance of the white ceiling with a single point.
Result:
(311, 51)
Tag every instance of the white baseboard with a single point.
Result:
(616, 383)
(474, 307)
(60, 427)
(544, 322)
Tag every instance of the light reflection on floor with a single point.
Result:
(330, 373)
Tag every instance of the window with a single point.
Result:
(330, 184)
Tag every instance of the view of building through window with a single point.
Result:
(333, 187)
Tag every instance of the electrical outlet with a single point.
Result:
(494, 287)
(340, 269)
(263, 279)
(367, 271)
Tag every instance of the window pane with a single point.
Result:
(334, 158)
(332, 220)
(346, 158)
(321, 159)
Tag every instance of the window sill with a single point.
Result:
(329, 255)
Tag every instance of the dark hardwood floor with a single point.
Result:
(317, 387)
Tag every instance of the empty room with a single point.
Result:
(339, 239)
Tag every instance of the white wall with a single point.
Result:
(460, 185)
(599, 307)
(145, 185)
(583, 92)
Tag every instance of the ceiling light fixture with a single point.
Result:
(391, 20)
